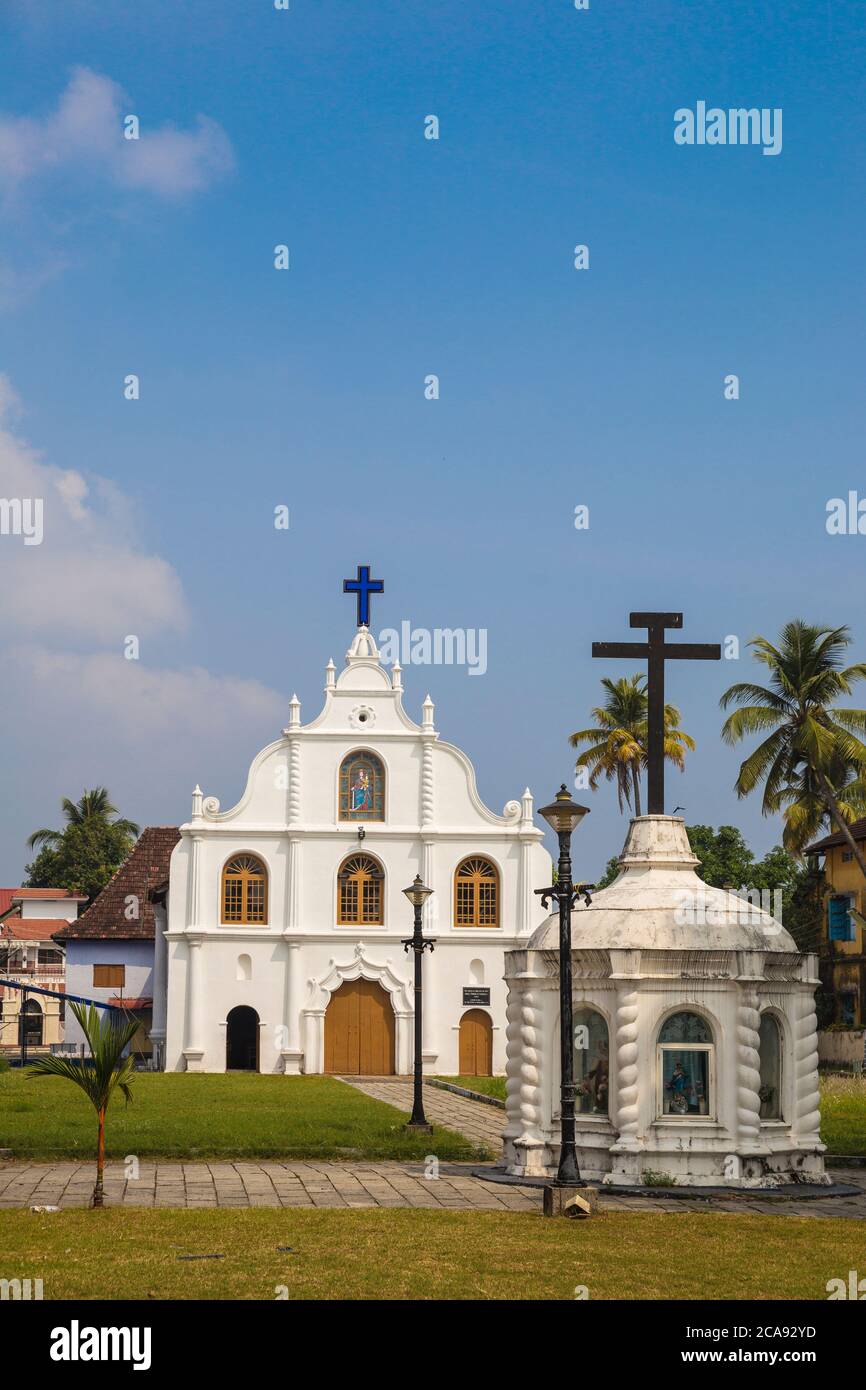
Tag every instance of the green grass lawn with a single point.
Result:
(424, 1254)
(486, 1085)
(843, 1114)
(177, 1115)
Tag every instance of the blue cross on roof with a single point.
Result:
(363, 586)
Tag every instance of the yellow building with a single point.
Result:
(843, 944)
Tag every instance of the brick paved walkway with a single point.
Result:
(264, 1184)
(272, 1184)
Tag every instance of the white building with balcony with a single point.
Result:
(31, 959)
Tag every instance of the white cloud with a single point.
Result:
(88, 579)
(134, 703)
(74, 720)
(172, 162)
(76, 712)
(84, 135)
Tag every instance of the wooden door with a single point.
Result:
(476, 1044)
(359, 1030)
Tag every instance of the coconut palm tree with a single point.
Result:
(618, 739)
(100, 1074)
(95, 804)
(804, 810)
(812, 764)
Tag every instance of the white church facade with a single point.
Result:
(279, 943)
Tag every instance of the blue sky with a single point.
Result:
(306, 387)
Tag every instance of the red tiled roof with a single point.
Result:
(28, 893)
(30, 928)
(145, 867)
(142, 1003)
(857, 828)
(6, 898)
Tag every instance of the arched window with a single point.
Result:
(359, 892)
(30, 1024)
(591, 1062)
(686, 1079)
(245, 891)
(362, 787)
(476, 894)
(770, 1053)
(245, 967)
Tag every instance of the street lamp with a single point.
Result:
(564, 815)
(418, 893)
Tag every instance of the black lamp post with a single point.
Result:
(564, 815)
(418, 893)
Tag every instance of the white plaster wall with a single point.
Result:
(446, 972)
(82, 955)
(60, 908)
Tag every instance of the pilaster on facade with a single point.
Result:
(290, 1030)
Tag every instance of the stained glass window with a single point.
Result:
(359, 898)
(362, 788)
(476, 894)
(245, 891)
(685, 1028)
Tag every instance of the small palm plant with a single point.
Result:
(98, 1075)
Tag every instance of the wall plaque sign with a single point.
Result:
(475, 995)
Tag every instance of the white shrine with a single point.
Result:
(696, 1050)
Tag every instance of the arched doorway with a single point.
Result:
(359, 1030)
(476, 1044)
(30, 1024)
(242, 1039)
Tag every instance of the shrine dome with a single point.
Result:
(658, 902)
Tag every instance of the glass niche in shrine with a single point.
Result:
(686, 1071)
(591, 1062)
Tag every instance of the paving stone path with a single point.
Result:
(481, 1123)
(346, 1184)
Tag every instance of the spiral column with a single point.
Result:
(627, 1109)
(523, 1093)
(806, 1068)
(748, 1068)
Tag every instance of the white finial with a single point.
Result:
(363, 647)
(196, 801)
(396, 674)
(427, 713)
(330, 675)
(294, 713)
(526, 805)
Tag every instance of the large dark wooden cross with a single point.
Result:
(363, 586)
(657, 651)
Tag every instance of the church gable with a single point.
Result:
(362, 759)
